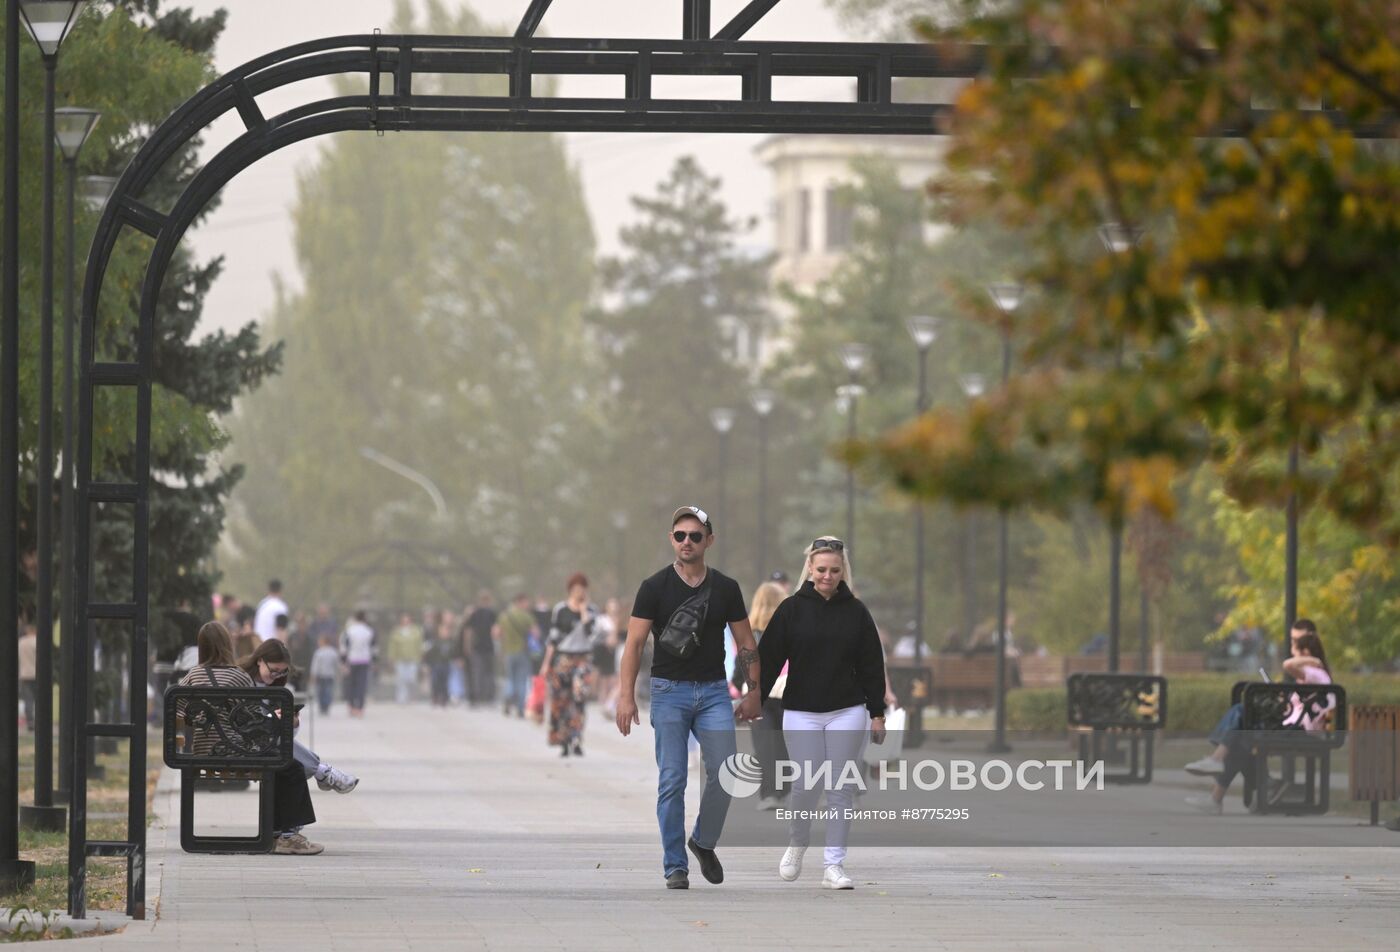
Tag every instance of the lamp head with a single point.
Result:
(71, 127)
(924, 329)
(1007, 296)
(1119, 237)
(722, 418)
(49, 22)
(854, 357)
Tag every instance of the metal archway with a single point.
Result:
(429, 561)
(393, 62)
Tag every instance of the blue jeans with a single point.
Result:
(678, 710)
(1228, 732)
(518, 672)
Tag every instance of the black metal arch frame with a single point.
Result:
(425, 559)
(391, 64)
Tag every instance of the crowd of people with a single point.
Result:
(700, 673)
(805, 667)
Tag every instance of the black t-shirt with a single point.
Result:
(662, 594)
(481, 622)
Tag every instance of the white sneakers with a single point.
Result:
(1206, 767)
(836, 878)
(337, 780)
(791, 866)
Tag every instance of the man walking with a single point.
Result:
(481, 650)
(406, 653)
(513, 634)
(272, 605)
(685, 607)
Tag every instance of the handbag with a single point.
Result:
(534, 704)
(681, 636)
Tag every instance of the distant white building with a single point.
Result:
(812, 221)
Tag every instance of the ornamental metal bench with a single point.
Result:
(231, 735)
(1265, 706)
(1131, 707)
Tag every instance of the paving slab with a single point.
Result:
(468, 832)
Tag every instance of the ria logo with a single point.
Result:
(739, 775)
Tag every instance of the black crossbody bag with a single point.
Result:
(681, 636)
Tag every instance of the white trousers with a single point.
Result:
(834, 738)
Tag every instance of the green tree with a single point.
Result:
(166, 58)
(440, 322)
(1179, 349)
(895, 267)
(1347, 583)
(675, 302)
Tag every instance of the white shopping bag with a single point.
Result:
(893, 743)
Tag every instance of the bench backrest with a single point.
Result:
(1265, 705)
(955, 671)
(1116, 700)
(228, 728)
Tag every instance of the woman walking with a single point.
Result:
(833, 701)
(357, 648)
(567, 668)
(768, 743)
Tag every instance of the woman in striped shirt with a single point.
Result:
(291, 794)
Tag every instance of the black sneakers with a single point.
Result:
(710, 866)
(680, 879)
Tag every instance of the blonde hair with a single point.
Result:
(845, 554)
(766, 600)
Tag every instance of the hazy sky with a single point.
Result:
(252, 228)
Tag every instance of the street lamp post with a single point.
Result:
(854, 357)
(412, 475)
(72, 128)
(924, 330)
(15, 873)
(1007, 297)
(1290, 552)
(763, 402)
(722, 419)
(48, 23)
(1119, 239)
(973, 385)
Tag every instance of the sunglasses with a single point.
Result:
(680, 534)
(835, 545)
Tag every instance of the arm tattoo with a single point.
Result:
(746, 657)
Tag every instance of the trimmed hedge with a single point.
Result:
(1194, 701)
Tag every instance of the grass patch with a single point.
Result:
(107, 807)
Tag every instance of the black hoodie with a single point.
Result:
(832, 651)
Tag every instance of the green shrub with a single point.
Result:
(1035, 709)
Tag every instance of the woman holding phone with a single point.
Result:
(834, 699)
(567, 665)
(1307, 665)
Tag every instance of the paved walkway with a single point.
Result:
(468, 833)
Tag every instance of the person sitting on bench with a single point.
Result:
(270, 665)
(1308, 665)
(291, 794)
